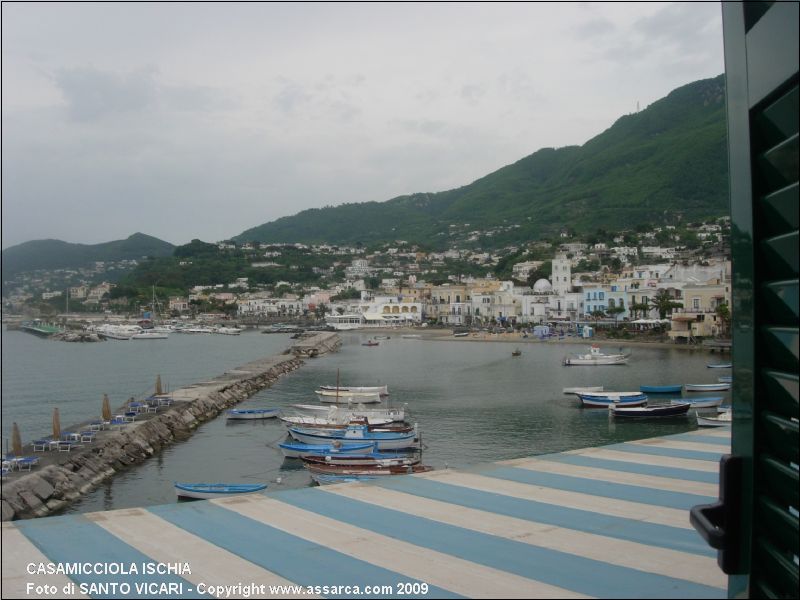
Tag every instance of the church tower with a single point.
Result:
(562, 274)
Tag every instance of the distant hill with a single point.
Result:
(666, 162)
(55, 254)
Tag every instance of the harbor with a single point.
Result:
(609, 521)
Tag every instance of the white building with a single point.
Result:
(561, 276)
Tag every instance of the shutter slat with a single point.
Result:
(781, 210)
(781, 480)
(781, 436)
(782, 391)
(782, 345)
(782, 301)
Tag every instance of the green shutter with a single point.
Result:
(761, 48)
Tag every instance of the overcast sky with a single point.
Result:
(191, 121)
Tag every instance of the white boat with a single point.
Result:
(356, 434)
(149, 334)
(583, 390)
(707, 387)
(700, 402)
(252, 413)
(347, 397)
(118, 332)
(383, 390)
(595, 357)
(722, 420)
(196, 329)
(205, 491)
(411, 336)
(395, 414)
(297, 450)
(338, 421)
(606, 399)
(228, 330)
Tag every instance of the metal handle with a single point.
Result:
(720, 523)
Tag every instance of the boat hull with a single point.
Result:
(723, 420)
(702, 402)
(251, 414)
(583, 390)
(206, 491)
(395, 414)
(707, 387)
(661, 389)
(384, 440)
(668, 410)
(609, 399)
(297, 450)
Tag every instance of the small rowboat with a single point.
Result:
(725, 378)
(661, 389)
(366, 471)
(708, 387)
(719, 366)
(708, 402)
(516, 353)
(337, 423)
(205, 491)
(583, 390)
(351, 412)
(251, 413)
(662, 410)
(383, 390)
(298, 450)
(722, 420)
(606, 399)
(595, 357)
(358, 461)
(370, 343)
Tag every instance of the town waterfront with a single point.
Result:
(474, 403)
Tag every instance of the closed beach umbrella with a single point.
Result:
(159, 391)
(106, 408)
(56, 425)
(16, 441)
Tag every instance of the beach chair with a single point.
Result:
(41, 445)
(26, 462)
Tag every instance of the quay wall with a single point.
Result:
(52, 487)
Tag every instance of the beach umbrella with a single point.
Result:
(56, 425)
(159, 391)
(16, 441)
(106, 408)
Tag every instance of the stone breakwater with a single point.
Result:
(66, 476)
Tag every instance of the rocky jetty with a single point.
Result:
(63, 477)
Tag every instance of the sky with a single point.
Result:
(187, 120)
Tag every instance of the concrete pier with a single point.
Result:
(608, 522)
(64, 477)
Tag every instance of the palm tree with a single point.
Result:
(665, 303)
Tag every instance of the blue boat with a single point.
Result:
(606, 399)
(661, 389)
(298, 450)
(205, 491)
(355, 434)
(252, 413)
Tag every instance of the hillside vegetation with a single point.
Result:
(665, 163)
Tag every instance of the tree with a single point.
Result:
(597, 315)
(665, 304)
(723, 313)
(615, 311)
(640, 307)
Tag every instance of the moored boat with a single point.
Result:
(337, 397)
(380, 471)
(707, 387)
(205, 491)
(370, 343)
(719, 366)
(709, 402)
(298, 450)
(351, 412)
(252, 413)
(725, 378)
(661, 389)
(355, 434)
(361, 461)
(517, 352)
(329, 422)
(583, 390)
(660, 410)
(150, 334)
(721, 420)
(595, 357)
(383, 390)
(606, 399)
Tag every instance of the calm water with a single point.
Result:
(473, 402)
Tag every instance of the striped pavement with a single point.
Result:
(606, 522)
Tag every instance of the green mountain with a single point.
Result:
(55, 254)
(665, 163)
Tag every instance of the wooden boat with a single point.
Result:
(661, 410)
(707, 387)
(251, 413)
(606, 399)
(708, 402)
(595, 357)
(719, 366)
(216, 490)
(360, 461)
(583, 390)
(367, 471)
(661, 389)
(369, 390)
(355, 434)
(370, 343)
(298, 450)
(351, 412)
(722, 420)
(516, 353)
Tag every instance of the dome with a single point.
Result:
(542, 286)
